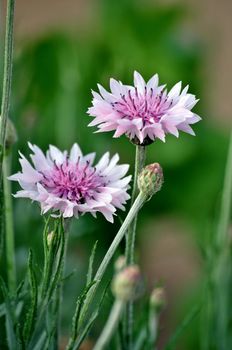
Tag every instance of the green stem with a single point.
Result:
(130, 239)
(225, 211)
(140, 156)
(9, 230)
(153, 328)
(110, 326)
(222, 268)
(138, 203)
(55, 252)
(7, 76)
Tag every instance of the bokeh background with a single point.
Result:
(62, 50)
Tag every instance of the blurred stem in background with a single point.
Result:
(222, 267)
(7, 77)
(140, 157)
(111, 325)
(5, 200)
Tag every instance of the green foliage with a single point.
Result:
(32, 311)
(53, 76)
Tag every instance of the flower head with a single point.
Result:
(151, 179)
(70, 184)
(158, 299)
(127, 284)
(143, 112)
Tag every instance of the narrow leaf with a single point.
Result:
(182, 327)
(10, 324)
(31, 314)
(91, 261)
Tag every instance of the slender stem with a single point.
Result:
(153, 328)
(140, 156)
(225, 210)
(10, 255)
(7, 76)
(110, 326)
(52, 280)
(138, 203)
(222, 268)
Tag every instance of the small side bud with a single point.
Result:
(50, 238)
(127, 284)
(158, 299)
(120, 263)
(150, 179)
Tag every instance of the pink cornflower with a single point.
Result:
(70, 184)
(143, 112)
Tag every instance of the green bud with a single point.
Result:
(158, 299)
(127, 284)
(50, 238)
(120, 263)
(150, 179)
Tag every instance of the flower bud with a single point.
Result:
(127, 284)
(150, 179)
(158, 299)
(50, 238)
(120, 263)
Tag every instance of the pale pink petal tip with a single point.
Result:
(143, 112)
(70, 185)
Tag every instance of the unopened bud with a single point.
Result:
(158, 299)
(120, 263)
(150, 179)
(127, 284)
(50, 238)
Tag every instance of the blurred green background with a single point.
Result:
(58, 60)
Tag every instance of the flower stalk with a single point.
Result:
(138, 203)
(9, 229)
(130, 238)
(7, 77)
(140, 157)
(111, 325)
(5, 106)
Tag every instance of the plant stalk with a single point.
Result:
(9, 230)
(138, 203)
(7, 77)
(140, 156)
(110, 326)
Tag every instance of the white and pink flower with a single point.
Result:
(69, 183)
(145, 111)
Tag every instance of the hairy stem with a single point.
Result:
(7, 77)
(138, 203)
(130, 239)
(9, 230)
(110, 326)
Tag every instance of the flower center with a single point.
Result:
(149, 106)
(72, 181)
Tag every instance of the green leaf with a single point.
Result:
(10, 321)
(31, 314)
(60, 263)
(84, 332)
(76, 316)
(182, 327)
(2, 309)
(91, 261)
